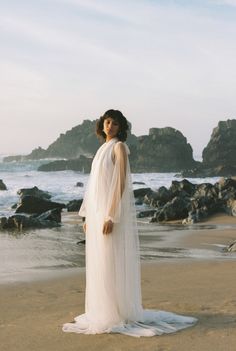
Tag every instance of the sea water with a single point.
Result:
(30, 254)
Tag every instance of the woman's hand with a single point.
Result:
(107, 227)
(84, 227)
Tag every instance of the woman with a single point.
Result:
(113, 291)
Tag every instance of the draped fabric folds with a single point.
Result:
(113, 289)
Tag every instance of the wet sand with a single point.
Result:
(32, 314)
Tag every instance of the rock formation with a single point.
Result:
(221, 149)
(190, 202)
(219, 154)
(2, 185)
(163, 150)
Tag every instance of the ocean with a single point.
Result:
(34, 253)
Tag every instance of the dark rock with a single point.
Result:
(2, 185)
(163, 150)
(142, 192)
(51, 215)
(3, 221)
(205, 201)
(20, 222)
(35, 191)
(226, 183)
(221, 149)
(32, 204)
(81, 164)
(184, 185)
(219, 154)
(139, 183)
(147, 213)
(177, 208)
(206, 190)
(74, 205)
(139, 201)
(158, 198)
(79, 184)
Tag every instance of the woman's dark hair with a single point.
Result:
(119, 118)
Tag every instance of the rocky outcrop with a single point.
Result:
(32, 204)
(221, 149)
(79, 184)
(163, 150)
(49, 219)
(80, 140)
(82, 164)
(219, 154)
(2, 185)
(142, 192)
(191, 202)
(35, 191)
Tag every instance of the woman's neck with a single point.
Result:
(108, 139)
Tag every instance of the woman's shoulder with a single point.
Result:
(121, 146)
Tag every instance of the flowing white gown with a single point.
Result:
(113, 301)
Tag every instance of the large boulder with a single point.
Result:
(177, 208)
(158, 198)
(163, 150)
(35, 191)
(221, 149)
(140, 193)
(20, 222)
(32, 204)
(2, 185)
(53, 215)
(182, 187)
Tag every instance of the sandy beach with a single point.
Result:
(32, 313)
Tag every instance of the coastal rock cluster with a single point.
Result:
(162, 150)
(34, 210)
(189, 202)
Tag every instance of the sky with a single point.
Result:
(161, 62)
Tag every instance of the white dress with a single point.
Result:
(113, 302)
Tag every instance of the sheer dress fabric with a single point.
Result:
(113, 302)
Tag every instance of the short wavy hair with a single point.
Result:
(117, 116)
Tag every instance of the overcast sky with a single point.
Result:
(162, 63)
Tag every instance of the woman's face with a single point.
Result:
(110, 127)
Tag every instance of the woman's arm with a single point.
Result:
(117, 187)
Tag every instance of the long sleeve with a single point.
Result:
(118, 182)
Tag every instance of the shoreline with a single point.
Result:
(32, 313)
(166, 243)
